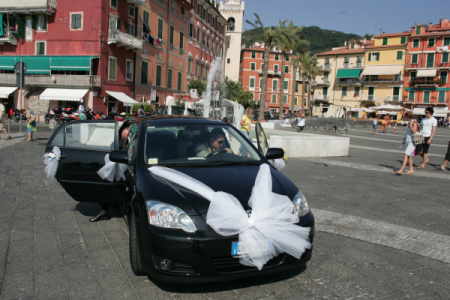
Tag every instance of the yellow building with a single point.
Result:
(298, 91)
(383, 75)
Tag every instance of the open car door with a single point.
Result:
(84, 145)
(263, 146)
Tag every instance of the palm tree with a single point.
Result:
(286, 42)
(295, 63)
(313, 70)
(303, 68)
(268, 36)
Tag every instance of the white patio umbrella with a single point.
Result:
(382, 112)
(387, 107)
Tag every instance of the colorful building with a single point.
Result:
(427, 67)
(250, 75)
(383, 75)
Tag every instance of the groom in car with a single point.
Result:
(216, 142)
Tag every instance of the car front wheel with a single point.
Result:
(135, 257)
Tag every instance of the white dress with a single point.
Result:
(409, 146)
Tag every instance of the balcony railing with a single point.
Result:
(9, 36)
(123, 39)
(276, 72)
(383, 80)
(322, 82)
(351, 66)
(321, 97)
(428, 65)
(371, 98)
(47, 6)
(427, 82)
(54, 80)
(325, 67)
(393, 98)
(136, 3)
(349, 82)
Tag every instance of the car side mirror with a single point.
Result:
(275, 153)
(119, 156)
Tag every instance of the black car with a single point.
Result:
(184, 252)
(176, 110)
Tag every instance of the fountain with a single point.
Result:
(216, 64)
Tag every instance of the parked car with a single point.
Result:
(177, 252)
(176, 110)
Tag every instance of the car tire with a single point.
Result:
(135, 257)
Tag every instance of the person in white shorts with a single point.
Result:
(2, 126)
(301, 120)
(429, 125)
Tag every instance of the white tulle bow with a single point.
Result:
(112, 170)
(270, 229)
(51, 161)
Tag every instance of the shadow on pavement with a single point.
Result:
(92, 209)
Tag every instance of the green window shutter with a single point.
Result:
(253, 54)
(296, 87)
(274, 98)
(325, 91)
(441, 97)
(399, 55)
(262, 66)
(158, 75)
(42, 48)
(415, 58)
(252, 66)
(445, 57)
(127, 28)
(287, 57)
(171, 35)
(198, 34)
(378, 56)
(275, 85)
(418, 29)
(189, 65)
(21, 28)
(144, 72)
(196, 67)
(276, 57)
(357, 89)
(169, 79)
(416, 43)
(385, 41)
(285, 99)
(426, 96)
(306, 88)
(413, 76)
(403, 40)
(286, 69)
(201, 69)
(412, 95)
(145, 22)
(327, 60)
(431, 42)
(179, 81)
(252, 82)
(160, 29)
(286, 85)
(444, 76)
(118, 23)
(181, 40)
(263, 55)
(447, 41)
(34, 22)
(114, 3)
(38, 48)
(344, 91)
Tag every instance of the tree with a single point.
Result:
(295, 63)
(235, 92)
(197, 84)
(303, 67)
(313, 70)
(266, 35)
(288, 40)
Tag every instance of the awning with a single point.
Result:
(6, 91)
(419, 111)
(427, 89)
(127, 101)
(63, 94)
(426, 73)
(383, 70)
(36, 64)
(348, 73)
(7, 62)
(71, 63)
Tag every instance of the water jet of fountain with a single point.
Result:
(207, 94)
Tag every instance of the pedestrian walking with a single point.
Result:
(246, 124)
(447, 159)
(428, 125)
(374, 125)
(301, 120)
(394, 127)
(141, 110)
(387, 119)
(2, 126)
(408, 144)
(31, 125)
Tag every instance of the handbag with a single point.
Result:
(417, 138)
(32, 118)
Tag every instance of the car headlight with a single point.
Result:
(168, 216)
(301, 207)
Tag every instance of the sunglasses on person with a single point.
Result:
(427, 112)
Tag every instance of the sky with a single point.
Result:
(350, 16)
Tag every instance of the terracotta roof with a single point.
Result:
(343, 51)
(370, 42)
(394, 34)
(386, 46)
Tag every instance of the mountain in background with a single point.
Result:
(320, 39)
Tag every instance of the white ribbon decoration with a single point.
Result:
(51, 161)
(271, 221)
(278, 163)
(112, 170)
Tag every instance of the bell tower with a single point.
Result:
(233, 12)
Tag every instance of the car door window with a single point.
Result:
(262, 140)
(94, 136)
(58, 137)
(132, 143)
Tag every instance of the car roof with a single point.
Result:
(177, 119)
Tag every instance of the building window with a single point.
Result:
(403, 40)
(171, 34)
(198, 9)
(253, 66)
(385, 41)
(414, 58)
(144, 72)
(431, 42)
(352, 46)
(204, 13)
(207, 17)
(374, 56)
(252, 82)
(444, 76)
(327, 60)
(416, 43)
(158, 75)
(306, 88)
(253, 54)
(344, 91)
(228, 60)
(203, 37)
(76, 21)
(287, 58)
(181, 40)
(441, 97)
(263, 55)
(160, 28)
(418, 28)
(189, 65)
(447, 41)
(40, 48)
(180, 76)
(198, 34)
(277, 56)
(196, 67)
(296, 87)
(276, 69)
(445, 57)
(285, 100)
(182, 11)
(42, 23)
(191, 30)
(399, 55)
(112, 68)
(413, 76)
(426, 96)
(296, 101)
(262, 66)
(169, 78)
(286, 69)
(274, 98)
(114, 3)
(129, 69)
(201, 69)
(275, 86)
(286, 85)
(146, 22)
(357, 90)
(412, 96)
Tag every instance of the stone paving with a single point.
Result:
(49, 249)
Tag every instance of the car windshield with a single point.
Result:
(198, 144)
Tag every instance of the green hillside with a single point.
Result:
(320, 39)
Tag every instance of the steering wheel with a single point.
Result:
(216, 152)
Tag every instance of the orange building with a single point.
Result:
(250, 75)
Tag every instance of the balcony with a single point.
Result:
(351, 66)
(352, 81)
(322, 82)
(136, 3)
(54, 80)
(325, 67)
(30, 6)
(427, 65)
(276, 72)
(123, 39)
(394, 79)
(395, 98)
(321, 97)
(9, 36)
(371, 98)
(427, 82)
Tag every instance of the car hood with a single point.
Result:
(235, 180)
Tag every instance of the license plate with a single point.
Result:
(238, 249)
